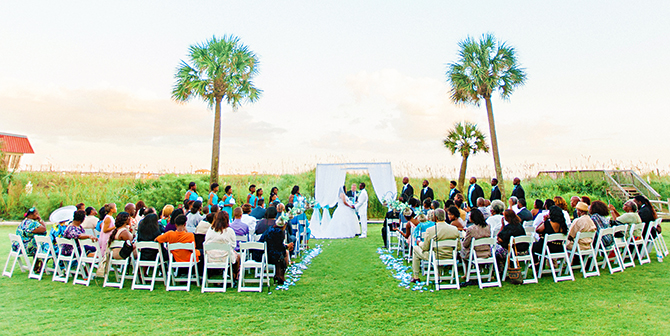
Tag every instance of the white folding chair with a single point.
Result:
(90, 232)
(148, 267)
(45, 252)
(85, 264)
(479, 262)
(621, 244)
(174, 266)
(302, 235)
(614, 265)
(393, 246)
(248, 263)
(561, 259)
(530, 231)
(637, 243)
(585, 256)
(656, 242)
(118, 266)
(451, 264)
(19, 256)
(63, 266)
(660, 239)
(223, 265)
(527, 259)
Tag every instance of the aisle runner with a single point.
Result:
(401, 272)
(294, 272)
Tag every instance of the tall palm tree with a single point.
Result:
(466, 139)
(219, 69)
(485, 66)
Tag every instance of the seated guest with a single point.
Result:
(426, 205)
(544, 214)
(573, 203)
(76, 231)
(180, 235)
(537, 208)
(172, 226)
(221, 232)
(121, 232)
(481, 205)
(434, 205)
(440, 231)
(268, 221)
(390, 215)
(523, 213)
(91, 220)
(561, 203)
(479, 230)
(512, 228)
(410, 217)
(259, 211)
(57, 231)
(495, 221)
(205, 224)
(630, 216)
(647, 214)
(193, 218)
(554, 224)
(582, 223)
(454, 214)
(238, 226)
(147, 230)
(277, 251)
(513, 201)
(598, 212)
(31, 226)
(586, 200)
(459, 202)
(280, 210)
(247, 218)
(424, 223)
(165, 216)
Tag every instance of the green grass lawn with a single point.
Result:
(346, 290)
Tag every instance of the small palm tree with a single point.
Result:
(219, 69)
(485, 66)
(466, 139)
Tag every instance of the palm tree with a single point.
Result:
(466, 139)
(219, 69)
(483, 67)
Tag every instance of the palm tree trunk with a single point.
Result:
(461, 174)
(216, 143)
(494, 146)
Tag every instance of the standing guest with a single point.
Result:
(582, 223)
(191, 194)
(496, 220)
(474, 192)
(599, 212)
(573, 203)
(91, 220)
(166, 214)
(108, 225)
(523, 213)
(148, 230)
(259, 211)
(352, 193)
(518, 189)
(440, 231)
(294, 197)
(407, 190)
(132, 224)
(221, 232)
(247, 218)
(228, 201)
(537, 208)
(76, 231)
(213, 198)
(480, 229)
(140, 208)
(514, 204)
(495, 191)
(268, 221)
(455, 219)
(180, 235)
(512, 228)
(554, 224)
(31, 225)
(121, 232)
(452, 190)
(259, 197)
(277, 251)
(426, 192)
(238, 226)
(193, 218)
(274, 196)
(251, 198)
(481, 205)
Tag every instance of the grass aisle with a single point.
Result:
(346, 290)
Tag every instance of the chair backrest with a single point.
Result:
(14, 238)
(252, 246)
(555, 237)
(443, 243)
(64, 241)
(218, 247)
(44, 240)
(181, 246)
(530, 230)
(520, 239)
(528, 223)
(83, 243)
(241, 238)
(89, 232)
(149, 245)
(621, 228)
(604, 232)
(116, 244)
(482, 241)
(582, 235)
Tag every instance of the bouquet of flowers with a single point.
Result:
(310, 202)
(396, 205)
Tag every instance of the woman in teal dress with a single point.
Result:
(251, 198)
(228, 202)
(191, 195)
(31, 226)
(213, 197)
(259, 196)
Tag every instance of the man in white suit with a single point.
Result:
(362, 209)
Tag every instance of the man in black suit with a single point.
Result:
(495, 191)
(452, 190)
(518, 190)
(474, 192)
(426, 192)
(407, 190)
(523, 213)
(352, 193)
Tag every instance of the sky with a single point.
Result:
(343, 81)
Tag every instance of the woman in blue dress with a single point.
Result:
(259, 196)
(251, 198)
(213, 197)
(31, 226)
(274, 196)
(228, 202)
(191, 195)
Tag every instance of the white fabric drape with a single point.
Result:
(383, 182)
(329, 181)
(315, 223)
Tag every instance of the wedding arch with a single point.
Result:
(330, 178)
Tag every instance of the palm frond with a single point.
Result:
(466, 139)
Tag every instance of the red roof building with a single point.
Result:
(13, 146)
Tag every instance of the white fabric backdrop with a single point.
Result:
(330, 179)
(383, 182)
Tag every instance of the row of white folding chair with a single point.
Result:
(658, 243)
